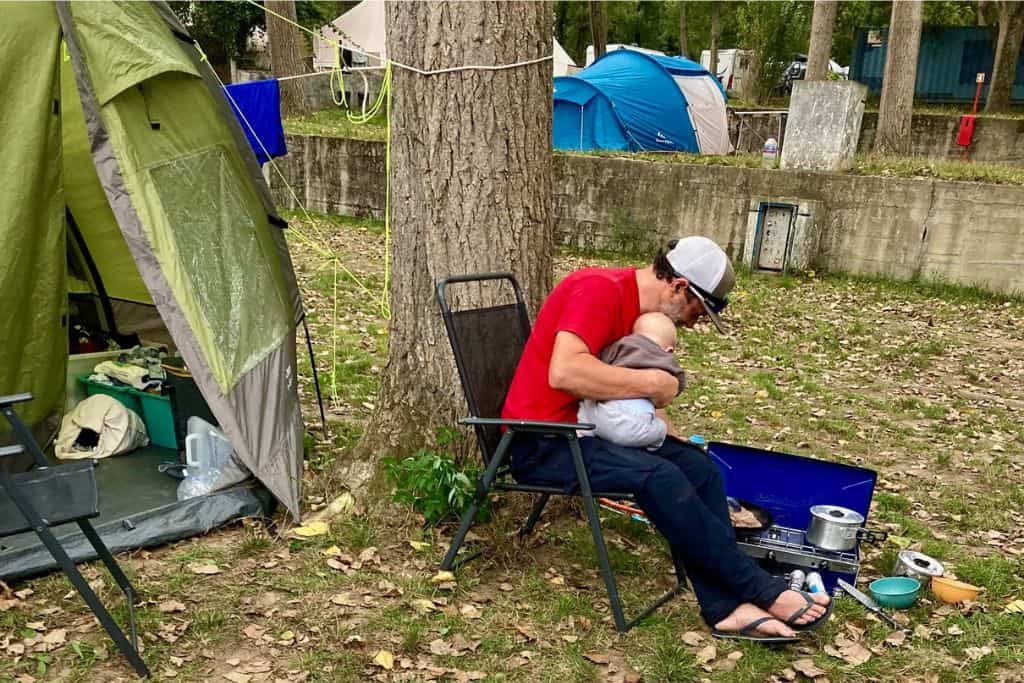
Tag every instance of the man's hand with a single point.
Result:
(664, 387)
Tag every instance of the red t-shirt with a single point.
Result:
(598, 305)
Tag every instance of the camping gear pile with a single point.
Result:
(140, 217)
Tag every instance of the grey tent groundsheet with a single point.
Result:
(138, 508)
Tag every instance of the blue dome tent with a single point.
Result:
(638, 102)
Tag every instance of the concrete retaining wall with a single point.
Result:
(968, 233)
(932, 135)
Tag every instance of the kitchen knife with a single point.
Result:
(869, 603)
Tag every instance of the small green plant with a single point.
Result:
(432, 482)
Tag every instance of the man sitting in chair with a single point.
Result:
(677, 485)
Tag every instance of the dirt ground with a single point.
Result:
(923, 383)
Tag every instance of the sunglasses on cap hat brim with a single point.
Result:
(712, 306)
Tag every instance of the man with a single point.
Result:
(678, 486)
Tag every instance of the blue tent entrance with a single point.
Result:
(637, 102)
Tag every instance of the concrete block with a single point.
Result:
(823, 126)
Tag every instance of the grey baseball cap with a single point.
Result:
(708, 270)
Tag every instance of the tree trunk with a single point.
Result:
(716, 9)
(896, 108)
(470, 193)
(684, 43)
(286, 55)
(820, 49)
(598, 28)
(1004, 70)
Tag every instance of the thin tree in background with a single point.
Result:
(716, 10)
(1010, 16)
(820, 50)
(471, 193)
(684, 43)
(598, 28)
(286, 54)
(896, 108)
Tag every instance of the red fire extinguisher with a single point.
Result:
(966, 133)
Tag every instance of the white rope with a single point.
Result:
(471, 67)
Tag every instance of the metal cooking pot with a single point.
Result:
(838, 528)
(917, 566)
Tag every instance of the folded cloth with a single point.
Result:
(132, 375)
(257, 105)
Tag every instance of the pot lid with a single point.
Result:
(840, 515)
(921, 563)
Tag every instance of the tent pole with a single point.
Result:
(316, 379)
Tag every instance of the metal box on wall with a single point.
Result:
(780, 234)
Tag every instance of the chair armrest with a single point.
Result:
(15, 398)
(10, 450)
(526, 425)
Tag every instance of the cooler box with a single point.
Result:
(154, 409)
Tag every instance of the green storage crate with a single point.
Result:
(154, 409)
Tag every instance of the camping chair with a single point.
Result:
(487, 343)
(48, 496)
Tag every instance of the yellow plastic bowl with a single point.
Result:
(951, 590)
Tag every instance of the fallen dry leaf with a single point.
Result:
(439, 647)
(692, 638)
(976, 653)
(384, 660)
(237, 677)
(706, 654)
(896, 638)
(310, 530)
(955, 630)
(203, 569)
(419, 545)
(254, 631)
(422, 606)
(597, 657)
(442, 577)
(854, 653)
(808, 668)
(470, 611)
(170, 606)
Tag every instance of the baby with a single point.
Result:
(632, 421)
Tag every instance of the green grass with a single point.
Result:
(820, 347)
(335, 123)
(939, 169)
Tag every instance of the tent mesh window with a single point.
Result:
(218, 251)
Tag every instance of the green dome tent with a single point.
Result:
(122, 158)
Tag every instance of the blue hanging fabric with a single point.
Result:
(259, 104)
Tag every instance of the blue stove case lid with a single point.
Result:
(788, 485)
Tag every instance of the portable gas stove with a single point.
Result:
(788, 486)
(781, 549)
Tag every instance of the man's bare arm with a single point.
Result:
(575, 370)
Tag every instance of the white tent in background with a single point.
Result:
(361, 30)
(564, 64)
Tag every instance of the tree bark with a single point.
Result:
(684, 43)
(286, 55)
(1004, 70)
(598, 28)
(470, 193)
(716, 10)
(896, 108)
(820, 50)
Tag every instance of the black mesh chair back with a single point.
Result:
(487, 342)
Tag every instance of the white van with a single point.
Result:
(618, 46)
(733, 65)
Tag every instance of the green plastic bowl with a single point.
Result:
(898, 592)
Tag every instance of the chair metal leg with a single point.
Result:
(116, 572)
(483, 486)
(590, 506)
(538, 508)
(595, 529)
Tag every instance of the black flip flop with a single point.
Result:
(748, 632)
(811, 625)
